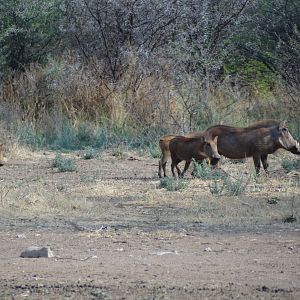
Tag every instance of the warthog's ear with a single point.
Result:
(283, 124)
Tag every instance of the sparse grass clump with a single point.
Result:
(233, 187)
(172, 184)
(216, 187)
(64, 164)
(205, 172)
(90, 153)
(291, 165)
(236, 187)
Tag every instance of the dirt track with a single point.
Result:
(117, 236)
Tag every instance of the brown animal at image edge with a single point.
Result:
(1, 155)
(184, 148)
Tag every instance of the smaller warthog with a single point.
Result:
(164, 144)
(256, 142)
(184, 148)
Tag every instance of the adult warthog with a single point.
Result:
(253, 141)
(184, 148)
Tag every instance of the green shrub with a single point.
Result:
(64, 164)
(291, 165)
(236, 187)
(26, 134)
(90, 153)
(216, 187)
(66, 139)
(154, 151)
(205, 172)
(172, 184)
(85, 135)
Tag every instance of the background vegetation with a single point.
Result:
(103, 73)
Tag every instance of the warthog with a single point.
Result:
(165, 140)
(184, 148)
(164, 143)
(1, 155)
(257, 141)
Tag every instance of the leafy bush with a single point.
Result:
(154, 151)
(234, 187)
(90, 153)
(291, 165)
(172, 184)
(64, 164)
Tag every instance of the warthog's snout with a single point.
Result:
(216, 156)
(295, 149)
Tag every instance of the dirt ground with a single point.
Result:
(117, 235)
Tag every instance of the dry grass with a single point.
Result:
(124, 191)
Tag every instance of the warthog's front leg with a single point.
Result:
(264, 160)
(186, 166)
(174, 164)
(256, 160)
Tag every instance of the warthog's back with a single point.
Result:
(241, 144)
(185, 147)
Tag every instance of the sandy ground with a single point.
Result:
(117, 235)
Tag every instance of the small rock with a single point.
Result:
(291, 248)
(21, 236)
(36, 252)
(208, 249)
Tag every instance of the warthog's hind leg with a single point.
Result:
(256, 160)
(162, 165)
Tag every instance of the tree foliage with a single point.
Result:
(29, 30)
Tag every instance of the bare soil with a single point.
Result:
(117, 235)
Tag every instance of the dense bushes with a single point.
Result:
(78, 73)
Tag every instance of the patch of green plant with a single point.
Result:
(64, 164)
(118, 152)
(66, 139)
(90, 153)
(29, 136)
(154, 151)
(172, 184)
(87, 178)
(236, 187)
(205, 172)
(85, 135)
(291, 165)
(216, 187)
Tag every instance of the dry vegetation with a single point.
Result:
(115, 202)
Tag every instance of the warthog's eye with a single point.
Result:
(284, 129)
